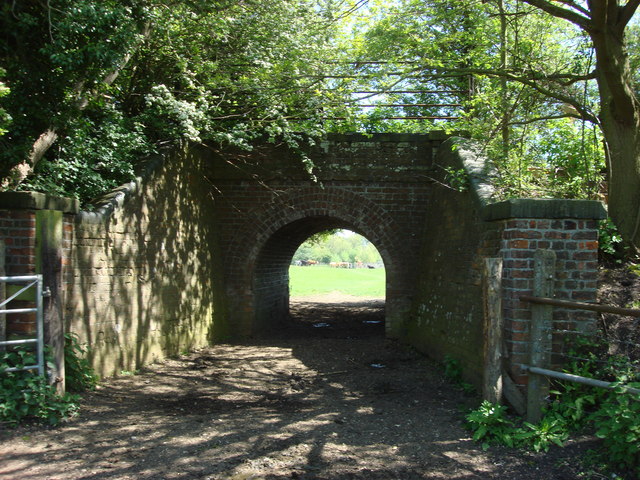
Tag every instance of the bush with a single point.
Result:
(79, 375)
(617, 422)
(25, 395)
(614, 415)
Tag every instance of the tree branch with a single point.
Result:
(535, 83)
(580, 19)
(547, 117)
(627, 11)
(577, 7)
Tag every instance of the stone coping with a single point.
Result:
(38, 201)
(482, 177)
(544, 208)
(104, 207)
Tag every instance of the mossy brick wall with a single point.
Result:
(140, 273)
(447, 314)
(465, 226)
(270, 203)
(570, 229)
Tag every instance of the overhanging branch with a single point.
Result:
(582, 19)
(627, 12)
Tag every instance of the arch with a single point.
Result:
(259, 256)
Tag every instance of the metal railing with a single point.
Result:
(542, 331)
(31, 281)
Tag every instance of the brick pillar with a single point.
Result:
(570, 229)
(49, 264)
(33, 232)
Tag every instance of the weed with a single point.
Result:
(79, 375)
(490, 425)
(453, 371)
(25, 395)
(610, 241)
(617, 422)
(613, 415)
(635, 268)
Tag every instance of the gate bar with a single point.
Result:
(38, 282)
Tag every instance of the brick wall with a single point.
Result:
(140, 278)
(19, 233)
(18, 230)
(463, 227)
(270, 203)
(570, 229)
(447, 314)
(200, 249)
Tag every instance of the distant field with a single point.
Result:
(314, 280)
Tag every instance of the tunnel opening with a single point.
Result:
(337, 285)
(332, 295)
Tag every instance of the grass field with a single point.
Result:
(314, 280)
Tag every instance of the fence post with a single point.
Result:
(540, 334)
(49, 227)
(493, 327)
(3, 318)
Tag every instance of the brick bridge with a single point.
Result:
(376, 186)
(198, 248)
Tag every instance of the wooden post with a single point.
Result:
(493, 328)
(540, 335)
(3, 295)
(49, 263)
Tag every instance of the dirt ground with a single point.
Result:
(324, 397)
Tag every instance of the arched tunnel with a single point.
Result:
(271, 278)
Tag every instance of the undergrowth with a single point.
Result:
(27, 396)
(612, 415)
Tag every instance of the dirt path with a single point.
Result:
(313, 401)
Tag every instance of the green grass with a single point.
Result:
(314, 280)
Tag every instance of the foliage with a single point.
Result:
(113, 80)
(542, 435)
(513, 74)
(610, 241)
(490, 425)
(334, 246)
(453, 371)
(98, 157)
(617, 422)
(5, 118)
(79, 375)
(490, 65)
(613, 415)
(457, 179)
(25, 395)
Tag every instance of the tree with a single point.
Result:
(334, 246)
(531, 70)
(606, 23)
(137, 74)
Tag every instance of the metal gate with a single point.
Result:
(31, 281)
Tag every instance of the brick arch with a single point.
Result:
(262, 249)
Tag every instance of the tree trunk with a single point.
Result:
(623, 146)
(620, 123)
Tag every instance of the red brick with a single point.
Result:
(519, 244)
